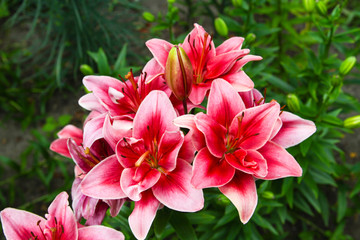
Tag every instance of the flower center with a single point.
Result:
(134, 93)
(55, 232)
(200, 56)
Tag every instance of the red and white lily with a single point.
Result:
(60, 224)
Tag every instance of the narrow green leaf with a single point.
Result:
(161, 220)
(309, 195)
(325, 210)
(356, 190)
(182, 226)
(262, 222)
(341, 204)
(121, 59)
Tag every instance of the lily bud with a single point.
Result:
(86, 69)
(321, 7)
(347, 65)
(236, 3)
(179, 73)
(148, 16)
(293, 102)
(250, 38)
(309, 5)
(352, 122)
(221, 27)
(268, 195)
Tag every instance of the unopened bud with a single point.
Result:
(321, 7)
(293, 102)
(221, 27)
(250, 38)
(336, 80)
(309, 5)
(148, 16)
(347, 65)
(179, 73)
(352, 122)
(268, 195)
(86, 69)
(236, 3)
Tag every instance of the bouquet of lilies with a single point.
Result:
(143, 142)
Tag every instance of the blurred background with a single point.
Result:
(310, 63)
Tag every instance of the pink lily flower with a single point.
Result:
(235, 147)
(121, 98)
(70, 145)
(60, 224)
(209, 62)
(148, 168)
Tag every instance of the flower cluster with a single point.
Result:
(132, 147)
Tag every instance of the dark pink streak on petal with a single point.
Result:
(242, 193)
(210, 171)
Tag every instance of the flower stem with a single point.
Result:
(185, 106)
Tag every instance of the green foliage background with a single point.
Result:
(303, 45)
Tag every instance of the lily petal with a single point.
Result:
(210, 171)
(197, 137)
(242, 193)
(169, 148)
(233, 43)
(116, 129)
(175, 191)
(155, 116)
(103, 181)
(18, 224)
(93, 130)
(294, 130)
(256, 125)
(250, 162)
(160, 50)
(60, 213)
(143, 215)
(240, 81)
(198, 92)
(224, 103)
(280, 163)
(136, 180)
(214, 134)
(99, 233)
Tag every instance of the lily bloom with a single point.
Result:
(69, 145)
(60, 224)
(234, 147)
(208, 62)
(150, 167)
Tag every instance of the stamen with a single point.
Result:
(260, 100)
(142, 158)
(87, 152)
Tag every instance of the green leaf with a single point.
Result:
(325, 210)
(230, 214)
(356, 190)
(305, 146)
(277, 82)
(64, 119)
(322, 177)
(341, 204)
(182, 226)
(161, 220)
(121, 59)
(262, 222)
(309, 195)
(303, 205)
